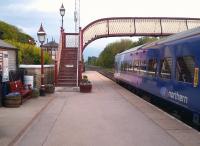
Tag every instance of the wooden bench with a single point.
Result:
(24, 90)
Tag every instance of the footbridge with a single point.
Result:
(72, 45)
(135, 26)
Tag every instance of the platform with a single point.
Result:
(109, 116)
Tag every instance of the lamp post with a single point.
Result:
(41, 37)
(62, 13)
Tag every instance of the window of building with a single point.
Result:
(152, 66)
(185, 69)
(166, 68)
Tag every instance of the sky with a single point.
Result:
(28, 14)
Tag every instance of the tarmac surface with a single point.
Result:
(108, 116)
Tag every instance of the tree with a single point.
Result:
(29, 54)
(10, 32)
(92, 60)
(107, 56)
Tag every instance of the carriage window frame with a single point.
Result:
(152, 67)
(143, 67)
(182, 71)
(136, 66)
(164, 73)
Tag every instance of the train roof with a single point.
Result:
(175, 37)
(131, 50)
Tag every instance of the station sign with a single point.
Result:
(5, 73)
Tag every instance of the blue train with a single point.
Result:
(167, 69)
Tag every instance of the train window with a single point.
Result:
(143, 66)
(122, 66)
(165, 68)
(185, 69)
(136, 66)
(152, 66)
(129, 66)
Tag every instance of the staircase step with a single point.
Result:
(69, 49)
(66, 80)
(68, 55)
(67, 75)
(63, 74)
(68, 64)
(67, 59)
(66, 84)
(68, 69)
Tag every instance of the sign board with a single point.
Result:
(5, 75)
(69, 65)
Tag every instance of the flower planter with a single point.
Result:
(85, 88)
(49, 88)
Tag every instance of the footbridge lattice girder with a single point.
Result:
(135, 26)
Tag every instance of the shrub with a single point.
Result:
(30, 54)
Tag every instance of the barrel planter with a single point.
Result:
(12, 100)
(85, 88)
(49, 88)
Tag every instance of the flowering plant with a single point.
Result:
(84, 80)
(85, 85)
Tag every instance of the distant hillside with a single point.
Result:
(10, 32)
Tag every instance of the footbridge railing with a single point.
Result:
(135, 26)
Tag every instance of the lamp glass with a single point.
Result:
(62, 11)
(41, 34)
(42, 37)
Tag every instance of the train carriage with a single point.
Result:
(167, 69)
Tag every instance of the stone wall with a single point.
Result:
(35, 71)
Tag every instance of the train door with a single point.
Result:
(118, 65)
(165, 76)
(1, 65)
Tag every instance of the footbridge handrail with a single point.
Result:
(136, 26)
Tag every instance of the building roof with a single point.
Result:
(4, 45)
(51, 44)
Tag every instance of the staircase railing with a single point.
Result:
(60, 47)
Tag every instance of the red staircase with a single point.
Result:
(67, 75)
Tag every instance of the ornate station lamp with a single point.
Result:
(42, 37)
(62, 13)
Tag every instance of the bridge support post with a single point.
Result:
(81, 63)
(55, 72)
